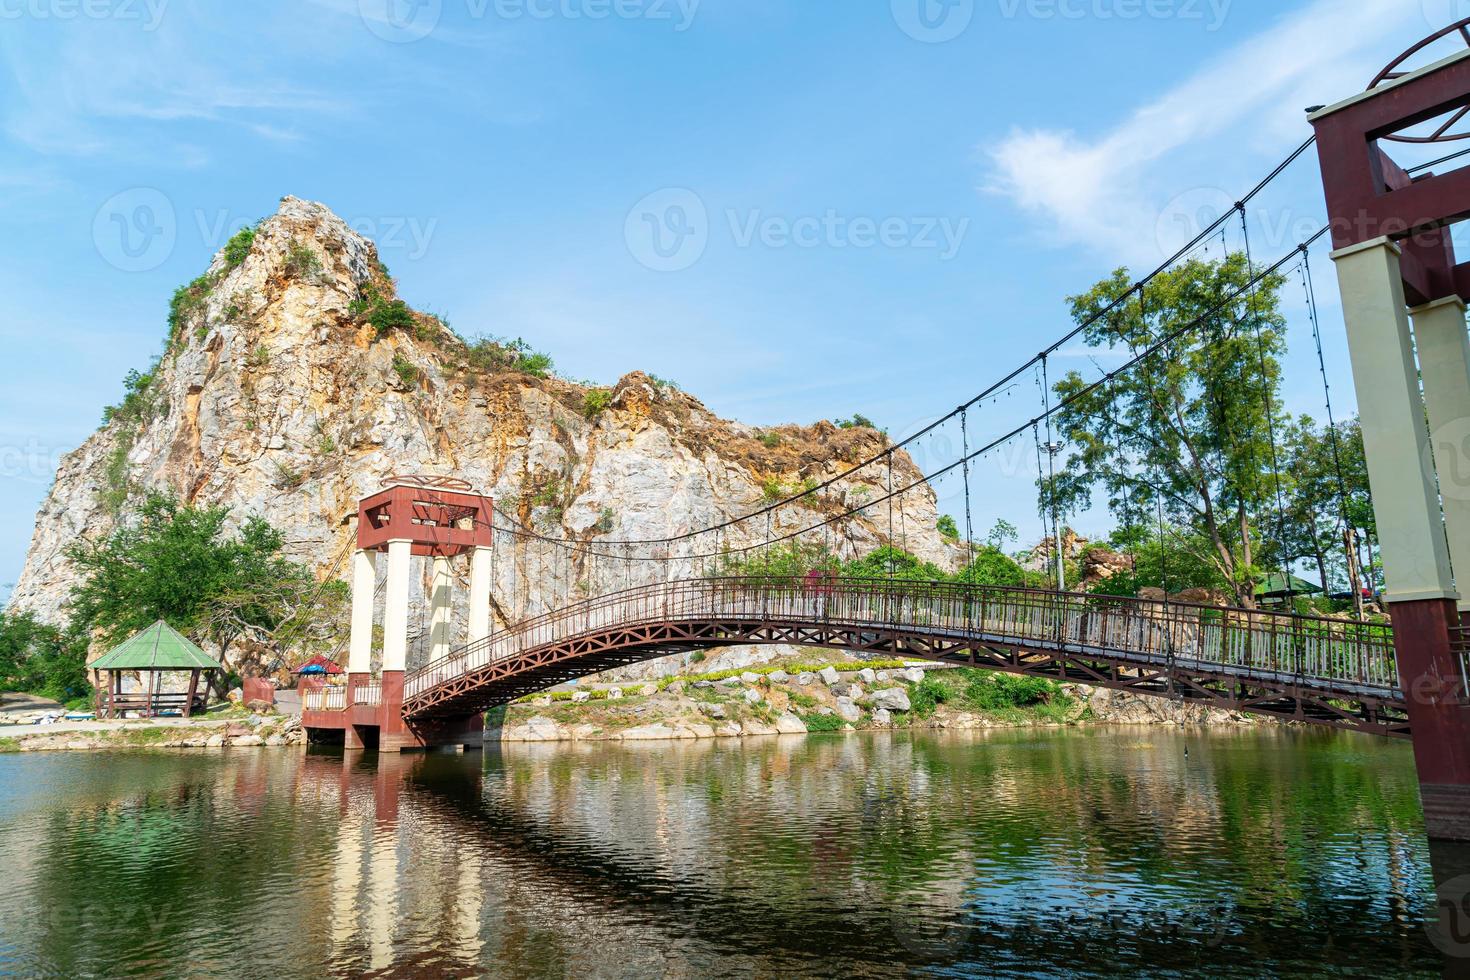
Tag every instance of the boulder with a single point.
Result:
(752, 697)
(754, 726)
(728, 730)
(676, 688)
(276, 740)
(248, 740)
(700, 685)
(882, 717)
(750, 678)
(614, 693)
(846, 689)
(789, 724)
(581, 697)
(543, 702)
(868, 676)
(847, 710)
(805, 678)
(649, 690)
(778, 677)
(913, 674)
(716, 711)
(829, 675)
(824, 710)
(215, 741)
(695, 730)
(885, 675)
(541, 729)
(890, 698)
(647, 733)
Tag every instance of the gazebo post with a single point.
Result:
(193, 686)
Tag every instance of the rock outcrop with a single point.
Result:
(294, 382)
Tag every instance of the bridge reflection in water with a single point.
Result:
(865, 855)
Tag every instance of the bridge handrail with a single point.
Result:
(1245, 640)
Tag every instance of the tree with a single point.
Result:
(177, 563)
(39, 659)
(1002, 533)
(947, 527)
(1329, 506)
(1188, 427)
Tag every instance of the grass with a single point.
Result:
(238, 247)
(821, 723)
(9, 745)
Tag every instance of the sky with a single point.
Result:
(795, 210)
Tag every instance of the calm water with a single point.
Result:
(1095, 853)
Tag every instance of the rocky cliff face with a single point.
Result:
(277, 396)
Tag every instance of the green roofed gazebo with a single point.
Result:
(1279, 586)
(155, 650)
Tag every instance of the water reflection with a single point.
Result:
(1094, 853)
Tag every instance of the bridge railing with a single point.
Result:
(1317, 651)
(324, 699)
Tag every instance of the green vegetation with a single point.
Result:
(9, 745)
(816, 722)
(1189, 433)
(856, 422)
(41, 659)
(946, 526)
(769, 439)
(260, 356)
(793, 561)
(287, 477)
(408, 373)
(774, 490)
(188, 300)
(302, 262)
(177, 563)
(386, 316)
(238, 247)
(493, 355)
(142, 403)
(663, 382)
(596, 401)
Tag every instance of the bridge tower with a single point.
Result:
(437, 518)
(1403, 292)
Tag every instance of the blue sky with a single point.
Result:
(895, 195)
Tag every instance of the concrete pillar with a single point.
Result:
(1410, 530)
(440, 607)
(364, 585)
(479, 618)
(1444, 367)
(395, 606)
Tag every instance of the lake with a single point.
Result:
(1088, 852)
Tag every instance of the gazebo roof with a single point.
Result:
(159, 647)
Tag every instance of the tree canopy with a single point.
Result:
(180, 564)
(1189, 428)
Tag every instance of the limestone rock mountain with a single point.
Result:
(294, 381)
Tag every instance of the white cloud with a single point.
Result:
(1229, 118)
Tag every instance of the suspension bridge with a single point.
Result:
(606, 602)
